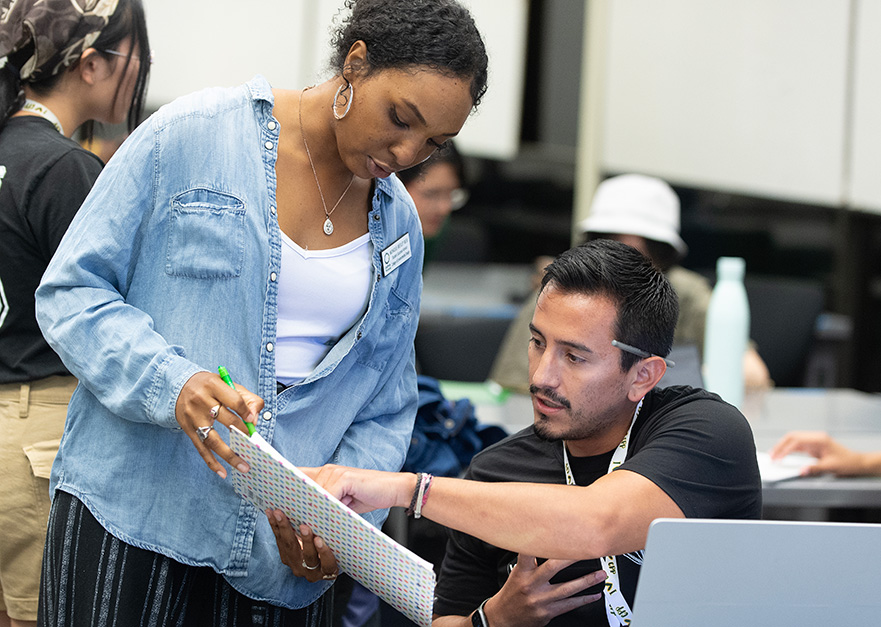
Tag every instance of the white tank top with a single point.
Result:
(321, 294)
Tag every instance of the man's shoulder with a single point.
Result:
(682, 405)
(684, 396)
(683, 277)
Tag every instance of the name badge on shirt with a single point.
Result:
(396, 254)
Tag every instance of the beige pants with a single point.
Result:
(31, 423)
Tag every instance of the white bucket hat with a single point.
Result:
(634, 204)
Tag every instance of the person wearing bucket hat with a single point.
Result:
(643, 212)
(65, 64)
(641, 206)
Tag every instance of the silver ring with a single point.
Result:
(307, 567)
(214, 411)
(330, 577)
(204, 431)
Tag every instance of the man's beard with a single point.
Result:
(580, 427)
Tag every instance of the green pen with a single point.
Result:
(224, 374)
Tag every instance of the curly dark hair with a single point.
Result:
(439, 34)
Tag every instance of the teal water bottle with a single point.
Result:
(727, 332)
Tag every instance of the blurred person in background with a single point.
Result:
(67, 65)
(832, 456)
(642, 212)
(437, 188)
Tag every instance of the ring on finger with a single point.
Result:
(204, 431)
(331, 576)
(307, 567)
(214, 411)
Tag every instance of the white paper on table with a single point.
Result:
(788, 467)
(399, 576)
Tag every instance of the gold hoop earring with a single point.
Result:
(339, 92)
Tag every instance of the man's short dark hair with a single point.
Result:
(648, 307)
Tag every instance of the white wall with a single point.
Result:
(203, 43)
(748, 96)
(864, 175)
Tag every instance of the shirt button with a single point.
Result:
(270, 346)
(359, 335)
(272, 210)
(271, 126)
(376, 217)
(268, 145)
(273, 276)
(267, 415)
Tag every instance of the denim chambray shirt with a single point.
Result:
(171, 268)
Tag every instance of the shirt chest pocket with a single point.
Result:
(206, 236)
(375, 350)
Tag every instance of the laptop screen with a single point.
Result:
(734, 573)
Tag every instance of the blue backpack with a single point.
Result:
(446, 434)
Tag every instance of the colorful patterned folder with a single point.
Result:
(402, 578)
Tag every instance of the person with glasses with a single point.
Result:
(607, 454)
(66, 64)
(437, 188)
(261, 229)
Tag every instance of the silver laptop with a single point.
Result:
(738, 573)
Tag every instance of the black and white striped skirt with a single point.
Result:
(92, 579)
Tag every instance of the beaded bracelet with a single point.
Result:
(424, 487)
(409, 511)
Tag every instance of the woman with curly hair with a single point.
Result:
(261, 229)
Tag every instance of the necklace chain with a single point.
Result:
(328, 225)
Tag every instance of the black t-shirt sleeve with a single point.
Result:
(702, 454)
(58, 195)
(469, 574)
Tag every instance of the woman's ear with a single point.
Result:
(92, 67)
(356, 60)
(648, 373)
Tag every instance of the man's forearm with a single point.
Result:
(451, 621)
(541, 519)
(609, 517)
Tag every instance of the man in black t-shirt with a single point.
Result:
(685, 440)
(630, 453)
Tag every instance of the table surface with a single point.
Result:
(850, 416)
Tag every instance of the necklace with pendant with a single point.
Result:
(328, 225)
